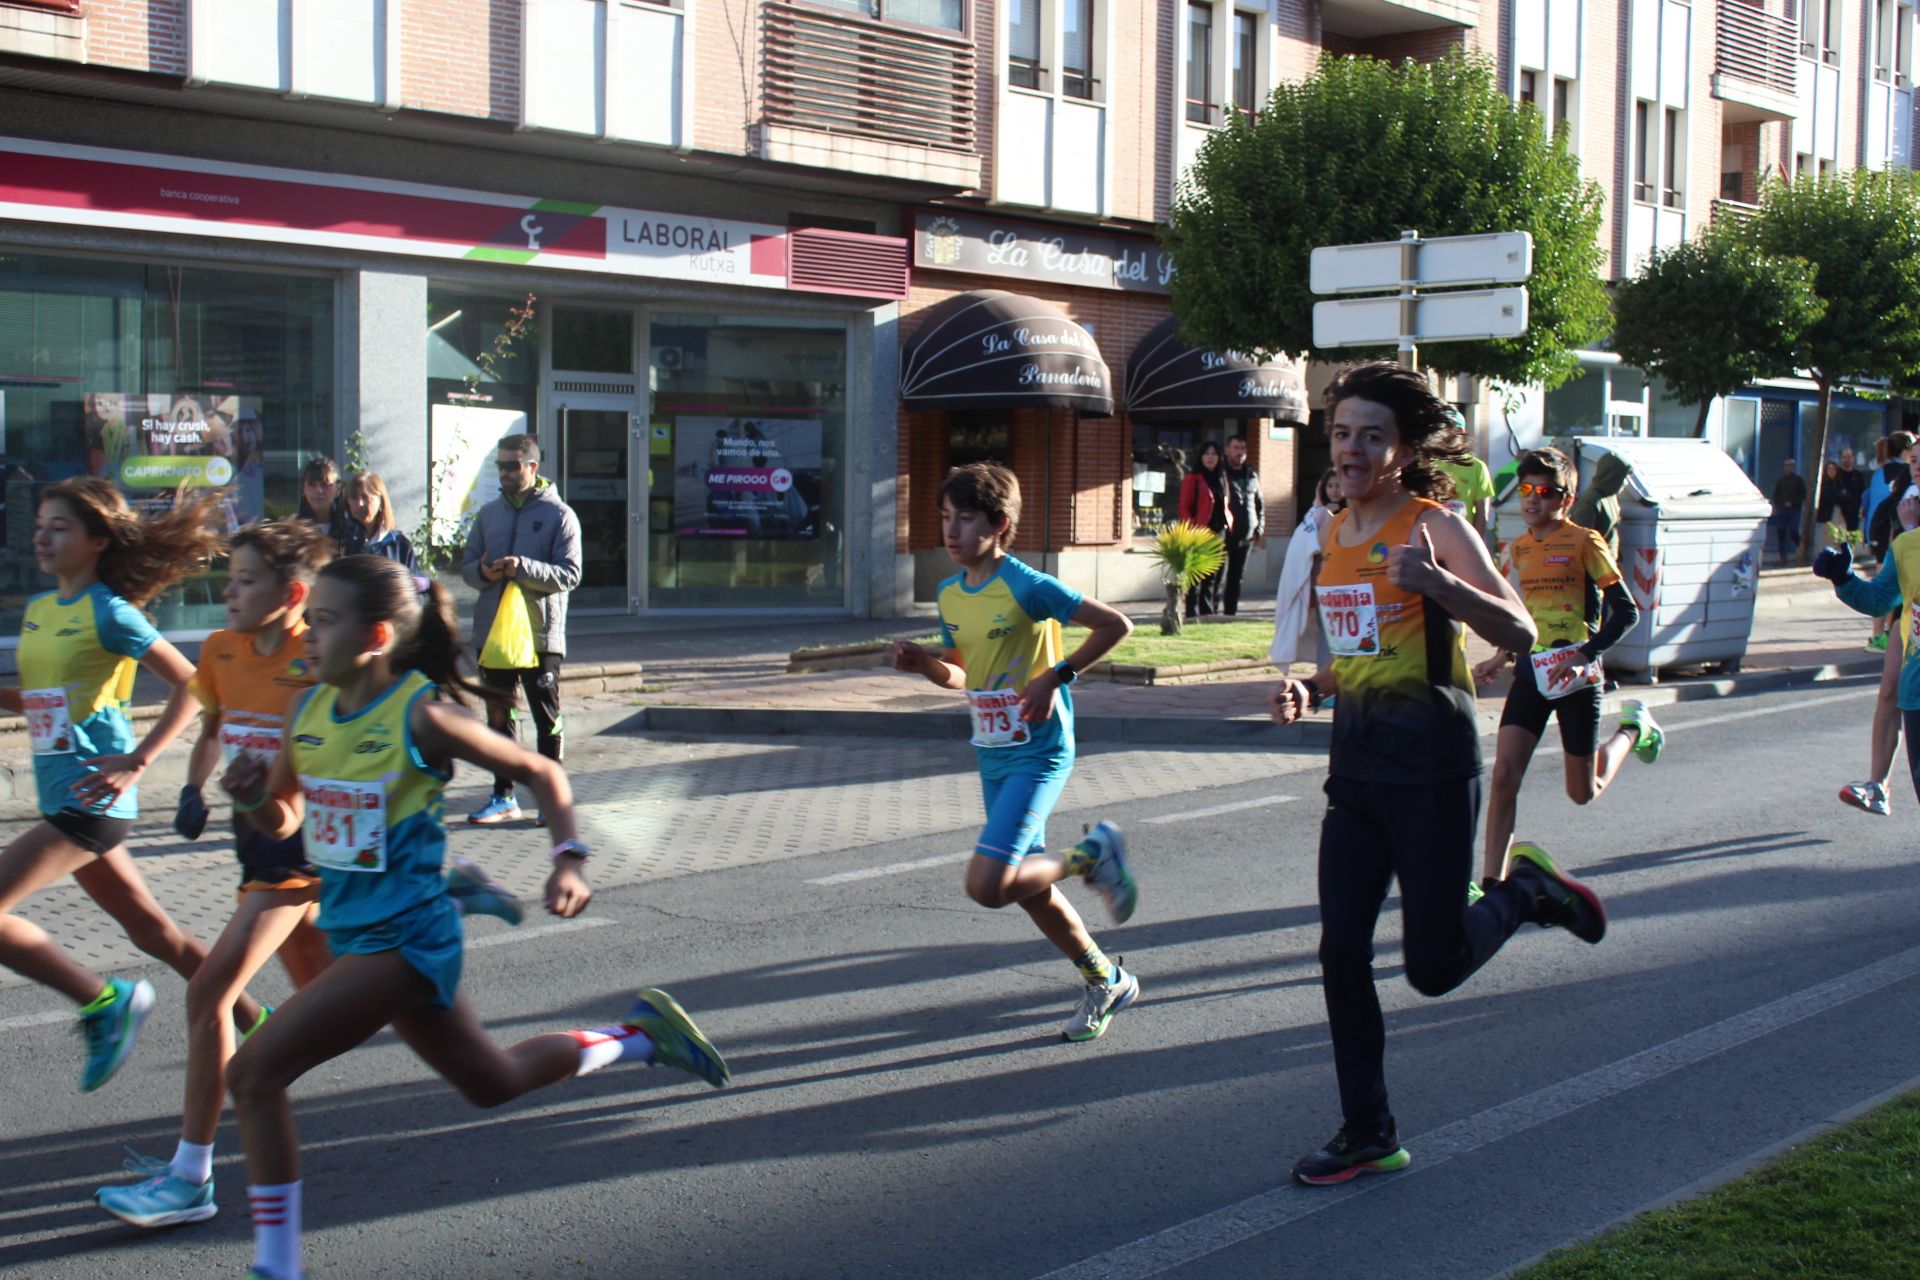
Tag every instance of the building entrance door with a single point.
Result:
(594, 471)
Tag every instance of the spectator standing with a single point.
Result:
(527, 536)
(1789, 496)
(320, 500)
(1203, 501)
(1853, 487)
(1472, 497)
(1247, 526)
(372, 510)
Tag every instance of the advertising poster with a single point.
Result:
(152, 445)
(463, 439)
(747, 478)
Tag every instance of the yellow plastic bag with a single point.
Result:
(509, 645)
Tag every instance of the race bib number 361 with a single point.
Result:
(996, 717)
(346, 826)
(1350, 620)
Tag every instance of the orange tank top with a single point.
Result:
(1405, 712)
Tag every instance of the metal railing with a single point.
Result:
(1734, 210)
(1756, 46)
(845, 74)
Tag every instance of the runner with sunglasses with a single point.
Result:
(1580, 608)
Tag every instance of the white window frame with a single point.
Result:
(1219, 92)
(1052, 77)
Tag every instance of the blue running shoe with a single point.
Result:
(112, 1031)
(1110, 876)
(478, 894)
(159, 1200)
(676, 1041)
(495, 811)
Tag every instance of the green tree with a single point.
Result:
(1861, 234)
(1356, 154)
(1712, 315)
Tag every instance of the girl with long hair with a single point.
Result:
(367, 755)
(79, 646)
(372, 509)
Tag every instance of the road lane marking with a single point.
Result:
(1209, 1233)
(1216, 810)
(1550, 748)
(893, 868)
(26, 1020)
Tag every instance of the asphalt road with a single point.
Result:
(902, 1103)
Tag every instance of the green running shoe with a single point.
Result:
(266, 1011)
(677, 1042)
(1474, 892)
(112, 1030)
(1558, 899)
(1647, 738)
(1351, 1154)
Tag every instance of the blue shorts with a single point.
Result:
(1017, 809)
(428, 937)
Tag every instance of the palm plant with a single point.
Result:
(1186, 554)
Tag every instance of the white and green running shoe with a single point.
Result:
(1111, 876)
(159, 1199)
(1099, 1003)
(677, 1042)
(112, 1030)
(1647, 738)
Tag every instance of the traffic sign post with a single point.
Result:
(1408, 316)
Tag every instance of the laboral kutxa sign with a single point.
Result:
(129, 190)
(944, 240)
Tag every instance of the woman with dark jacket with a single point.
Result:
(1203, 501)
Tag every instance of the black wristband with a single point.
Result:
(1315, 698)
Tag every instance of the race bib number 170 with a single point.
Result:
(1351, 621)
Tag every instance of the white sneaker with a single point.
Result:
(1110, 876)
(1098, 1005)
(1870, 797)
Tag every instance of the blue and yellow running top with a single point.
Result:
(1895, 586)
(374, 808)
(1007, 630)
(77, 663)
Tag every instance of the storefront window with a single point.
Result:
(1163, 453)
(483, 382)
(157, 375)
(746, 493)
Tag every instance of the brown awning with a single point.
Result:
(989, 349)
(1168, 380)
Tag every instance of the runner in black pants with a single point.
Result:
(1399, 577)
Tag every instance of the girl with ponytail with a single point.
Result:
(79, 646)
(367, 755)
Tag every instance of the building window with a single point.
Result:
(224, 377)
(947, 15)
(1076, 61)
(1024, 64)
(1670, 157)
(1642, 152)
(1200, 62)
(1563, 109)
(1530, 88)
(1246, 44)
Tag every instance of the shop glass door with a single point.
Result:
(593, 471)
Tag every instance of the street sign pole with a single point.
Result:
(1409, 273)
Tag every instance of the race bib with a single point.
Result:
(1348, 616)
(996, 718)
(1586, 675)
(346, 826)
(1456, 506)
(238, 740)
(49, 727)
(1913, 630)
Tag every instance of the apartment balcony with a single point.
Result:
(1754, 72)
(1364, 19)
(1738, 212)
(843, 92)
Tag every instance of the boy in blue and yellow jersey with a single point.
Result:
(1895, 587)
(1001, 645)
(1580, 609)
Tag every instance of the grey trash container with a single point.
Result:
(1693, 534)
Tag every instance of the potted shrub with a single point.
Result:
(1186, 554)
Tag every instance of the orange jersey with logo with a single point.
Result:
(248, 692)
(1405, 710)
(1560, 577)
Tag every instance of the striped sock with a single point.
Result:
(604, 1045)
(276, 1229)
(1096, 968)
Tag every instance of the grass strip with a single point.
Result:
(1208, 642)
(1841, 1204)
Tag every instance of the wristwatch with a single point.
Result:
(1314, 697)
(1065, 671)
(569, 849)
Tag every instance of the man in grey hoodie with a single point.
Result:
(529, 536)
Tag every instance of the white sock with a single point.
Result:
(276, 1229)
(193, 1161)
(604, 1045)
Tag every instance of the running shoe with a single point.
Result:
(676, 1041)
(1558, 899)
(1474, 892)
(1110, 876)
(1099, 1003)
(495, 811)
(1351, 1154)
(1878, 643)
(158, 1200)
(1647, 737)
(112, 1032)
(539, 818)
(478, 894)
(266, 1011)
(1868, 796)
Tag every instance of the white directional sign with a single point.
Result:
(1465, 316)
(1503, 257)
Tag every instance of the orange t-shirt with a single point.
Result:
(249, 692)
(1560, 577)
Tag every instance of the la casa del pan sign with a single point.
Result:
(972, 245)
